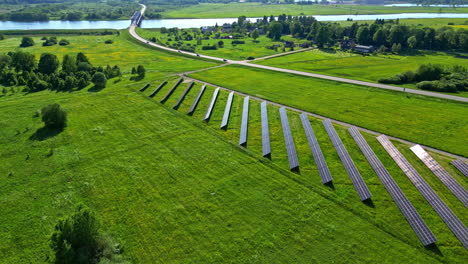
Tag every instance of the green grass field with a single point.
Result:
(123, 52)
(437, 123)
(173, 189)
(251, 48)
(365, 68)
(259, 10)
(137, 164)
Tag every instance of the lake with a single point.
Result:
(191, 23)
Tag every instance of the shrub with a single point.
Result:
(26, 42)
(54, 116)
(429, 72)
(76, 239)
(99, 79)
(64, 42)
(235, 42)
(209, 47)
(391, 80)
(109, 41)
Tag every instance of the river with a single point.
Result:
(191, 23)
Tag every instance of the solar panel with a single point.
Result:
(461, 166)
(356, 178)
(227, 111)
(182, 97)
(196, 101)
(211, 106)
(245, 122)
(316, 151)
(452, 221)
(145, 87)
(442, 174)
(171, 91)
(266, 149)
(157, 89)
(288, 139)
(406, 208)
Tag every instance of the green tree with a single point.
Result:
(69, 64)
(54, 117)
(2, 37)
(220, 43)
(48, 63)
(412, 42)
(5, 61)
(397, 35)
(275, 30)
(23, 61)
(379, 37)
(99, 79)
(255, 34)
(363, 35)
(76, 238)
(27, 42)
(323, 36)
(80, 57)
(141, 71)
(396, 48)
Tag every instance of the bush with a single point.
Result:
(209, 47)
(76, 239)
(26, 42)
(391, 80)
(109, 41)
(439, 86)
(429, 72)
(99, 79)
(235, 42)
(54, 116)
(64, 42)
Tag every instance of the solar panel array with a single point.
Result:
(408, 210)
(245, 122)
(356, 178)
(227, 111)
(196, 101)
(266, 149)
(171, 91)
(447, 215)
(442, 174)
(182, 97)
(288, 139)
(157, 89)
(145, 87)
(316, 151)
(461, 166)
(211, 106)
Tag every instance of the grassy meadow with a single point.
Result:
(423, 22)
(434, 122)
(365, 68)
(214, 10)
(123, 52)
(383, 213)
(231, 51)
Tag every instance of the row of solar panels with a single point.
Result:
(405, 206)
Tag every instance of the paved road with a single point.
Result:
(307, 74)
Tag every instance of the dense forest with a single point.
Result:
(39, 10)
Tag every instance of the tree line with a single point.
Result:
(20, 68)
(380, 33)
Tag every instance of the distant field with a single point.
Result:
(229, 51)
(366, 68)
(259, 10)
(437, 123)
(123, 52)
